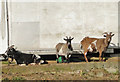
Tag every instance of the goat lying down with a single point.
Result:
(96, 44)
(64, 49)
(22, 58)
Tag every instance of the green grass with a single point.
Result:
(18, 78)
(116, 73)
(6, 62)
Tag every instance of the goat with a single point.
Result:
(96, 44)
(64, 49)
(21, 58)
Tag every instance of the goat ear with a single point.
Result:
(65, 39)
(72, 38)
(112, 34)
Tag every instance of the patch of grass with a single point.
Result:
(18, 78)
(116, 73)
(83, 73)
(5, 79)
(4, 62)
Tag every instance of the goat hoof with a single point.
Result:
(100, 61)
(86, 61)
(68, 61)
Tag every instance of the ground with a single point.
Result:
(107, 70)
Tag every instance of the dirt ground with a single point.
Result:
(64, 71)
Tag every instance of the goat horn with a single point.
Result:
(67, 37)
(105, 33)
(70, 37)
(11, 46)
(110, 33)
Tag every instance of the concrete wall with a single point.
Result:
(36, 25)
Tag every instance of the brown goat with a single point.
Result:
(96, 44)
(64, 49)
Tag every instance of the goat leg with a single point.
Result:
(85, 56)
(102, 57)
(57, 55)
(9, 61)
(100, 54)
(68, 58)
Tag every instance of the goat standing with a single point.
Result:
(64, 49)
(96, 44)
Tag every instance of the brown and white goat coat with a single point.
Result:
(96, 44)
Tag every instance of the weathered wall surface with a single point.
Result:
(43, 24)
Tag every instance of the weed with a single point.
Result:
(116, 73)
(83, 73)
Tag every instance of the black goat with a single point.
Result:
(22, 58)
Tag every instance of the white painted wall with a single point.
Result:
(77, 19)
(3, 28)
(119, 23)
(36, 25)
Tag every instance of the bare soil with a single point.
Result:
(64, 71)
